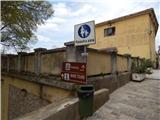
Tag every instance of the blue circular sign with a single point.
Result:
(84, 31)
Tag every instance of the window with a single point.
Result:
(109, 31)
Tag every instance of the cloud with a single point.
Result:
(52, 24)
(61, 10)
(60, 28)
(56, 20)
(49, 26)
(86, 8)
(43, 38)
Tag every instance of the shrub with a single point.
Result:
(149, 63)
(142, 67)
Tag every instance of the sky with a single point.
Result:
(60, 27)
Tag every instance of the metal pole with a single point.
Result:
(85, 59)
(85, 52)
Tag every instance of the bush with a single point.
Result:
(149, 63)
(142, 67)
(139, 68)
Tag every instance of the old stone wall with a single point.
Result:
(23, 94)
(22, 102)
(27, 63)
(38, 73)
(52, 62)
(68, 110)
(49, 62)
(110, 82)
(122, 63)
(101, 62)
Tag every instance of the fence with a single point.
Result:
(49, 62)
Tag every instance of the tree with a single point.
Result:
(19, 21)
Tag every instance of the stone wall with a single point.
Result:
(26, 90)
(123, 78)
(110, 82)
(23, 93)
(101, 62)
(39, 72)
(122, 63)
(49, 62)
(22, 102)
(27, 63)
(69, 110)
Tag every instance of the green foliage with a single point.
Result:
(149, 63)
(140, 69)
(133, 65)
(143, 67)
(20, 19)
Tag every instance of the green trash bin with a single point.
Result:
(86, 96)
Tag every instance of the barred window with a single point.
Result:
(109, 31)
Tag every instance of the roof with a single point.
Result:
(147, 11)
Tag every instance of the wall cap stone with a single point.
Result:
(71, 43)
(54, 50)
(22, 53)
(45, 81)
(127, 55)
(109, 50)
(11, 55)
(40, 49)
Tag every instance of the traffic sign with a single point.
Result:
(84, 33)
(74, 71)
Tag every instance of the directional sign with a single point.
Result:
(84, 34)
(74, 71)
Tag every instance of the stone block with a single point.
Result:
(68, 110)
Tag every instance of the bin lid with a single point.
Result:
(86, 88)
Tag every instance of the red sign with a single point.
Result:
(74, 71)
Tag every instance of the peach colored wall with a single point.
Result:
(51, 63)
(49, 93)
(98, 63)
(122, 64)
(131, 37)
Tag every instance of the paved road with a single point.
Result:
(155, 75)
(134, 101)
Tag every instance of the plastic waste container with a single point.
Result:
(86, 96)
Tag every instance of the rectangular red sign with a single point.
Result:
(74, 71)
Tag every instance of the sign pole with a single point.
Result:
(85, 58)
(84, 55)
(85, 52)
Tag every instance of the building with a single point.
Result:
(131, 34)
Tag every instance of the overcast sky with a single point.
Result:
(60, 28)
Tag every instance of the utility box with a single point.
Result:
(86, 97)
